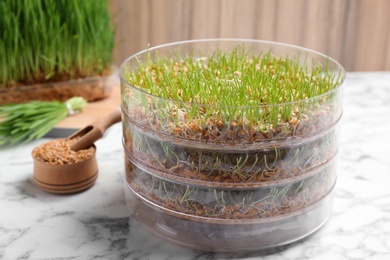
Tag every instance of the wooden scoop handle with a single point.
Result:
(94, 131)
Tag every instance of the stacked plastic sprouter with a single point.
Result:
(230, 187)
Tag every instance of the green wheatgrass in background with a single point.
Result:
(47, 40)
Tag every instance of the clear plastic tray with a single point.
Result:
(206, 165)
(91, 88)
(228, 235)
(222, 203)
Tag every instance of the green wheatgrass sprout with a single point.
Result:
(234, 85)
(21, 123)
(53, 40)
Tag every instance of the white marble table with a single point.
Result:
(95, 224)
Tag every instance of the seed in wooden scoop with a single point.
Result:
(58, 152)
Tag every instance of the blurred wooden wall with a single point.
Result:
(354, 32)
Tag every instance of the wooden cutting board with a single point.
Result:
(93, 111)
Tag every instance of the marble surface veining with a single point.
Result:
(95, 224)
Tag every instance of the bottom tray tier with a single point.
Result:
(228, 235)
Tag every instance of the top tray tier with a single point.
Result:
(231, 92)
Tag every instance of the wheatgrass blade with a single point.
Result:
(21, 123)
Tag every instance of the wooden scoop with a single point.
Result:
(94, 131)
